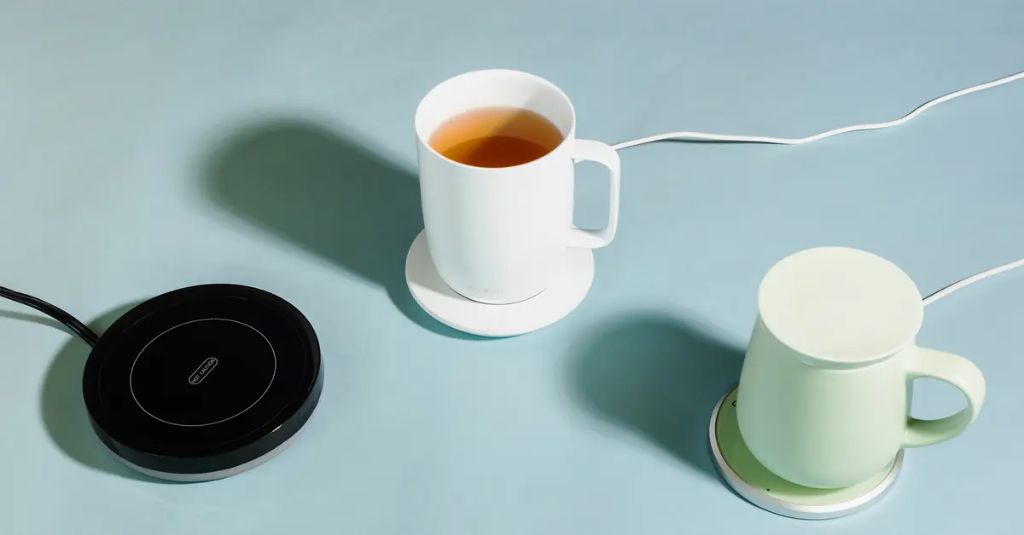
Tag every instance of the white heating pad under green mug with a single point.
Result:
(824, 395)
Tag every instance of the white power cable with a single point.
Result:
(935, 296)
(732, 138)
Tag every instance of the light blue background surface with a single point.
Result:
(148, 146)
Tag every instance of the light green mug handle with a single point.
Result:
(956, 371)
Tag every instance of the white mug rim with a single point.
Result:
(424, 137)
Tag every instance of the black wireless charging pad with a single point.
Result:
(204, 382)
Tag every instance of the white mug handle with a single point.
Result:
(595, 151)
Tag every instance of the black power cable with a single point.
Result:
(54, 312)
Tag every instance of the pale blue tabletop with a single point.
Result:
(149, 146)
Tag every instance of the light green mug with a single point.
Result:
(824, 395)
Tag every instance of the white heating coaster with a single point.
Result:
(567, 289)
(759, 486)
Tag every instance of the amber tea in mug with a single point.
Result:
(496, 136)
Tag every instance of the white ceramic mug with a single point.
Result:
(824, 395)
(497, 234)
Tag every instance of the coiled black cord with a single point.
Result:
(54, 312)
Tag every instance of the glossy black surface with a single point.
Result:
(203, 379)
(203, 372)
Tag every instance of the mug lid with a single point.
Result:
(840, 306)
